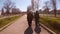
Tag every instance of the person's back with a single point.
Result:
(36, 15)
(29, 17)
(36, 18)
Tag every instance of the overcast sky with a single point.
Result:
(23, 4)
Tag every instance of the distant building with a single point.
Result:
(15, 11)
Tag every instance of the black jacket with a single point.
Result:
(36, 16)
(29, 16)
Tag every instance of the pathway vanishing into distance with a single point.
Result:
(2, 17)
(20, 26)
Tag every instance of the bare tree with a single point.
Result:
(8, 4)
(47, 7)
(35, 4)
(54, 6)
(2, 11)
(32, 2)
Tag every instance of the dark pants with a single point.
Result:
(36, 22)
(29, 23)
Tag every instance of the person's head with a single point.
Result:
(36, 11)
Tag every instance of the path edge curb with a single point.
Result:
(8, 25)
(46, 28)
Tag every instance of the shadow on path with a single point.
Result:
(37, 30)
(28, 31)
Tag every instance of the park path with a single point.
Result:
(19, 27)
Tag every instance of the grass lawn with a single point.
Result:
(5, 21)
(52, 23)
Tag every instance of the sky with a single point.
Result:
(23, 4)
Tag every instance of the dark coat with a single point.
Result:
(29, 16)
(36, 16)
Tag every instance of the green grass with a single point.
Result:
(5, 21)
(52, 23)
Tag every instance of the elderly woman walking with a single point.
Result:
(36, 18)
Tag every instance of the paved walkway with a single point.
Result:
(20, 26)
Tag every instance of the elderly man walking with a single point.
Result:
(29, 17)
